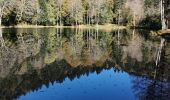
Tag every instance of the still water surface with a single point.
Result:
(83, 64)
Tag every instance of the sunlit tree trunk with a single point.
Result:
(60, 14)
(118, 18)
(134, 20)
(163, 14)
(60, 3)
(76, 12)
(93, 15)
(0, 21)
(89, 19)
(97, 16)
(37, 10)
(0, 16)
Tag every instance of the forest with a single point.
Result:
(141, 13)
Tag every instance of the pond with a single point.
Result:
(83, 64)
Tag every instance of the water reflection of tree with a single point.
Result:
(42, 56)
(151, 86)
(156, 85)
(6, 57)
(147, 89)
(135, 53)
(16, 85)
(1, 38)
(49, 45)
(77, 48)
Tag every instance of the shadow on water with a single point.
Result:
(31, 58)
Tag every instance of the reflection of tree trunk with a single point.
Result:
(97, 35)
(118, 27)
(155, 73)
(89, 39)
(60, 33)
(1, 38)
(57, 33)
(158, 57)
(118, 37)
(133, 33)
(0, 32)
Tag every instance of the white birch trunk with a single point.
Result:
(0, 17)
(0, 21)
(60, 14)
(76, 12)
(37, 13)
(163, 15)
(134, 20)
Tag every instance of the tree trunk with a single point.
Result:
(37, 8)
(89, 20)
(60, 14)
(163, 14)
(134, 20)
(76, 17)
(158, 57)
(57, 19)
(97, 19)
(0, 17)
(1, 38)
(119, 18)
(60, 19)
(0, 21)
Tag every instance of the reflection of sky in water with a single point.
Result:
(108, 85)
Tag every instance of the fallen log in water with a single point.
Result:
(165, 32)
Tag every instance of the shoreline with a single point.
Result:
(106, 26)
